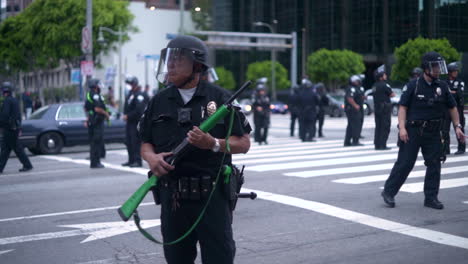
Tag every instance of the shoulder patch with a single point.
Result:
(140, 98)
(404, 88)
(353, 90)
(96, 97)
(388, 85)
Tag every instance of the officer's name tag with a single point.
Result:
(420, 95)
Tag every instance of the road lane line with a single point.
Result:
(372, 221)
(365, 168)
(444, 184)
(384, 177)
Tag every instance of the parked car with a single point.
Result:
(246, 106)
(394, 100)
(278, 107)
(53, 127)
(335, 107)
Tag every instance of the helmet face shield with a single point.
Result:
(175, 65)
(437, 67)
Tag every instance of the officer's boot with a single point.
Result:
(461, 149)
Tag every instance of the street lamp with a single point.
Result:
(101, 39)
(273, 57)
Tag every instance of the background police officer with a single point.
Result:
(323, 102)
(353, 107)
(309, 102)
(416, 73)
(261, 114)
(422, 107)
(457, 87)
(135, 104)
(96, 113)
(10, 121)
(383, 109)
(294, 108)
(172, 115)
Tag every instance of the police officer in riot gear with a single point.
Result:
(293, 104)
(96, 113)
(354, 102)
(10, 121)
(309, 102)
(457, 87)
(422, 108)
(135, 105)
(261, 114)
(323, 102)
(382, 92)
(172, 115)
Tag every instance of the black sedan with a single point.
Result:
(53, 127)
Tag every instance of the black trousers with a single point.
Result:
(353, 130)
(383, 120)
(447, 126)
(429, 142)
(214, 231)
(96, 139)
(294, 117)
(321, 120)
(10, 142)
(133, 143)
(261, 128)
(308, 128)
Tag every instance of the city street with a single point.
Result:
(318, 202)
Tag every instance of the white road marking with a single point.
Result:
(384, 177)
(466, 202)
(444, 184)
(66, 213)
(129, 258)
(365, 168)
(320, 163)
(5, 251)
(317, 157)
(372, 221)
(33, 173)
(94, 230)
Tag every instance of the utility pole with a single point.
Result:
(182, 9)
(89, 25)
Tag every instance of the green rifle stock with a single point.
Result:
(128, 208)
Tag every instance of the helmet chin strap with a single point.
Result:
(430, 76)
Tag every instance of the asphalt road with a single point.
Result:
(317, 203)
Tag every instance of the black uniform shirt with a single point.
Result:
(94, 100)
(355, 93)
(134, 107)
(160, 126)
(426, 101)
(381, 93)
(457, 86)
(264, 102)
(10, 115)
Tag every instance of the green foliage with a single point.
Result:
(49, 31)
(261, 69)
(408, 55)
(64, 94)
(334, 67)
(202, 19)
(226, 78)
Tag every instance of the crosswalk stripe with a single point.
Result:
(466, 202)
(325, 162)
(383, 177)
(302, 150)
(365, 168)
(317, 157)
(444, 184)
(274, 147)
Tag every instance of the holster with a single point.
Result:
(233, 185)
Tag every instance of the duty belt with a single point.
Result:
(424, 123)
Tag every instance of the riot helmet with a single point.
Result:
(132, 81)
(7, 87)
(433, 64)
(380, 72)
(181, 59)
(416, 72)
(453, 66)
(355, 80)
(95, 83)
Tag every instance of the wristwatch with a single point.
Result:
(459, 126)
(216, 146)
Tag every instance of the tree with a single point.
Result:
(49, 31)
(261, 69)
(408, 55)
(226, 78)
(334, 67)
(202, 18)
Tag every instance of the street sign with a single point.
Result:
(87, 68)
(85, 40)
(75, 76)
